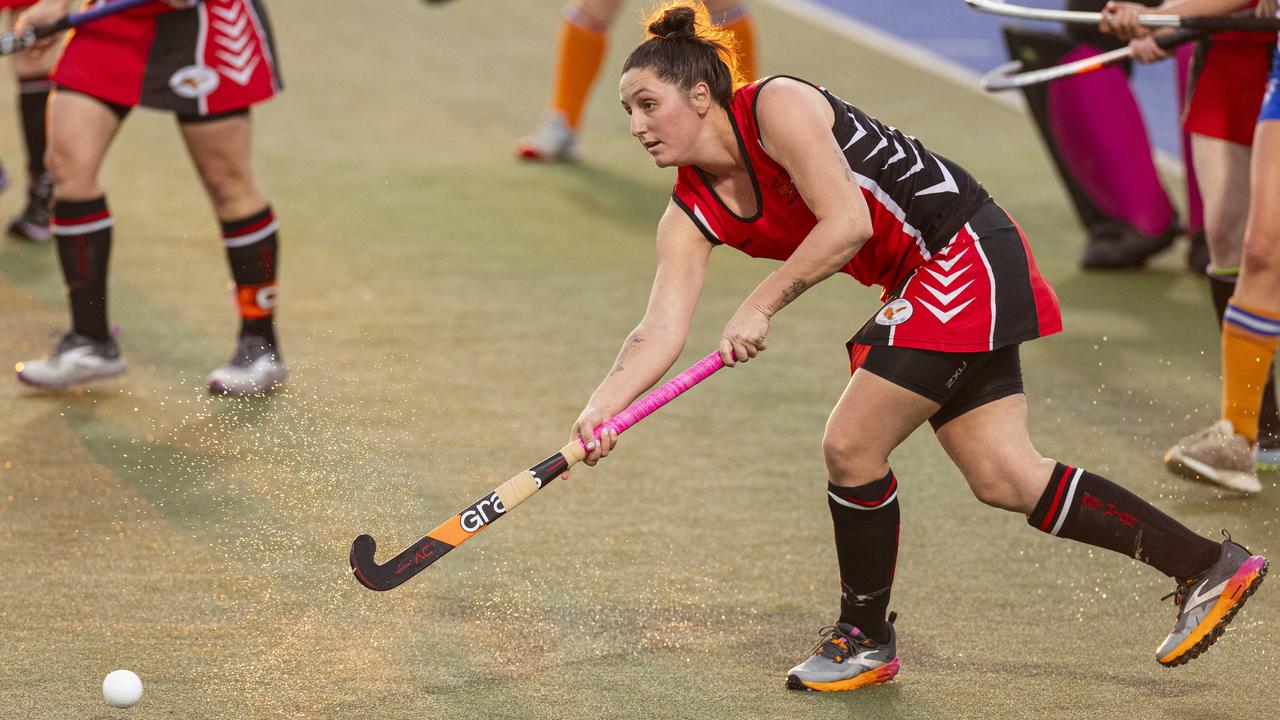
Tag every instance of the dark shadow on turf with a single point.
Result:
(922, 656)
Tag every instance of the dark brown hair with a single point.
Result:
(683, 48)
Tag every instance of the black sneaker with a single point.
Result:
(33, 223)
(1115, 245)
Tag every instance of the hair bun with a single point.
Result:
(676, 22)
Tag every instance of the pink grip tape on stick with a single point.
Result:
(669, 391)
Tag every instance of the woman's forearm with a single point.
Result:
(828, 247)
(646, 355)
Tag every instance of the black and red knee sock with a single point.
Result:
(33, 97)
(83, 231)
(866, 521)
(1093, 510)
(253, 251)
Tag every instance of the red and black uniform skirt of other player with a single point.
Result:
(960, 287)
(1228, 80)
(214, 59)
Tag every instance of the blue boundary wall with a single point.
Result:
(972, 40)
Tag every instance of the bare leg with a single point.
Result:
(991, 446)
(1222, 171)
(220, 150)
(993, 450)
(872, 418)
(80, 131)
(1259, 284)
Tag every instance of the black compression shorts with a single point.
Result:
(959, 382)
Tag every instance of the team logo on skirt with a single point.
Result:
(895, 312)
(193, 81)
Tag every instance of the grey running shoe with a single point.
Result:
(845, 659)
(553, 141)
(254, 369)
(75, 360)
(1218, 455)
(1208, 602)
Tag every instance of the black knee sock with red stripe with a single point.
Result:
(1093, 510)
(33, 97)
(866, 520)
(252, 251)
(83, 230)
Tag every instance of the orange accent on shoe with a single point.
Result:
(884, 673)
(1247, 575)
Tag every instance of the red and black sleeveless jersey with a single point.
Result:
(918, 199)
(957, 273)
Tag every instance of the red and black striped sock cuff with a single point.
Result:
(872, 496)
(80, 217)
(249, 230)
(1051, 510)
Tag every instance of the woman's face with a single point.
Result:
(664, 119)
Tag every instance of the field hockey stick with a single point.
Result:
(12, 41)
(1009, 76)
(488, 509)
(1212, 23)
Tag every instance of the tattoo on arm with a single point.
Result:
(633, 342)
(844, 163)
(793, 292)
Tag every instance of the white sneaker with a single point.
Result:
(1218, 455)
(75, 360)
(254, 369)
(553, 141)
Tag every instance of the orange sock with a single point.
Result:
(578, 59)
(737, 20)
(1248, 348)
